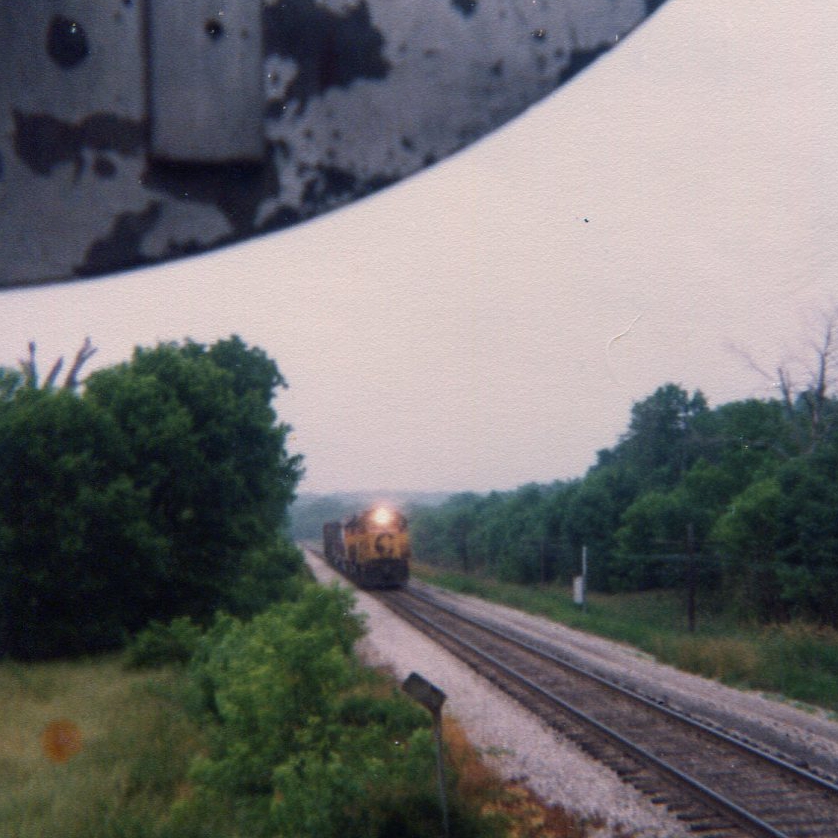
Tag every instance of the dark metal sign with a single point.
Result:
(423, 691)
(135, 131)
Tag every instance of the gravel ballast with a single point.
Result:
(512, 739)
(521, 747)
(806, 736)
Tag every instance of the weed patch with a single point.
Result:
(131, 745)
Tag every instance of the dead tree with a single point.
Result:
(818, 372)
(29, 367)
(82, 356)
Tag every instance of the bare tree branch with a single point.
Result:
(822, 379)
(780, 379)
(86, 351)
(28, 367)
(819, 376)
(786, 385)
(53, 373)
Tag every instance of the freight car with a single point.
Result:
(372, 548)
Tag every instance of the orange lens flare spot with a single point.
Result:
(61, 740)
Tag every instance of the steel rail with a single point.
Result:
(779, 762)
(717, 802)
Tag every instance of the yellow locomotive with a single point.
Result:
(372, 548)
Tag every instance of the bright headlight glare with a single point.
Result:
(382, 516)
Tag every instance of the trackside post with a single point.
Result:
(432, 698)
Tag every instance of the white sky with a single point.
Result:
(457, 330)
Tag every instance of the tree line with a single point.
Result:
(746, 494)
(156, 490)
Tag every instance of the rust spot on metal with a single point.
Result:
(330, 49)
(43, 142)
(67, 42)
(122, 247)
(465, 7)
(236, 189)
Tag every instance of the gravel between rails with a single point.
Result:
(512, 739)
(806, 736)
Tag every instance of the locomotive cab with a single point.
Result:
(372, 547)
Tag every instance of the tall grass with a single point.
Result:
(796, 661)
(135, 745)
(138, 739)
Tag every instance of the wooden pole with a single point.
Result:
(691, 578)
(584, 577)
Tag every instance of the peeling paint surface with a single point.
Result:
(358, 94)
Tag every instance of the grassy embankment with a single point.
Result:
(796, 661)
(137, 741)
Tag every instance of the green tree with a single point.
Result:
(745, 438)
(521, 557)
(659, 445)
(158, 491)
(747, 536)
(10, 382)
(488, 533)
(560, 559)
(594, 509)
(658, 530)
(459, 524)
(652, 528)
(77, 553)
(807, 545)
(205, 447)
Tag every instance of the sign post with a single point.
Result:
(580, 583)
(432, 698)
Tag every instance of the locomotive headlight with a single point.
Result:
(382, 516)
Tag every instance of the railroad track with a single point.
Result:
(716, 784)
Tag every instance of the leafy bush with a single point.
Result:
(305, 741)
(267, 575)
(159, 644)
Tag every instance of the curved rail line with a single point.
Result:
(714, 782)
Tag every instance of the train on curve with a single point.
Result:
(372, 548)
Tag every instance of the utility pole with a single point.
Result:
(691, 578)
(543, 565)
(585, 576)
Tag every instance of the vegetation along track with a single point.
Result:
(716, 784)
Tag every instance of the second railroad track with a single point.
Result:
(717, 784)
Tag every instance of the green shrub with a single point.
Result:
(306, 742)
(267, 576)
(160, 644)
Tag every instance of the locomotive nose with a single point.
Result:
(384, 545)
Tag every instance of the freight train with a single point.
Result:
(372, 548)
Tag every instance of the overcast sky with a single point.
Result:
(491, 321)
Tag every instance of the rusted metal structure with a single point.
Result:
(133, 131)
